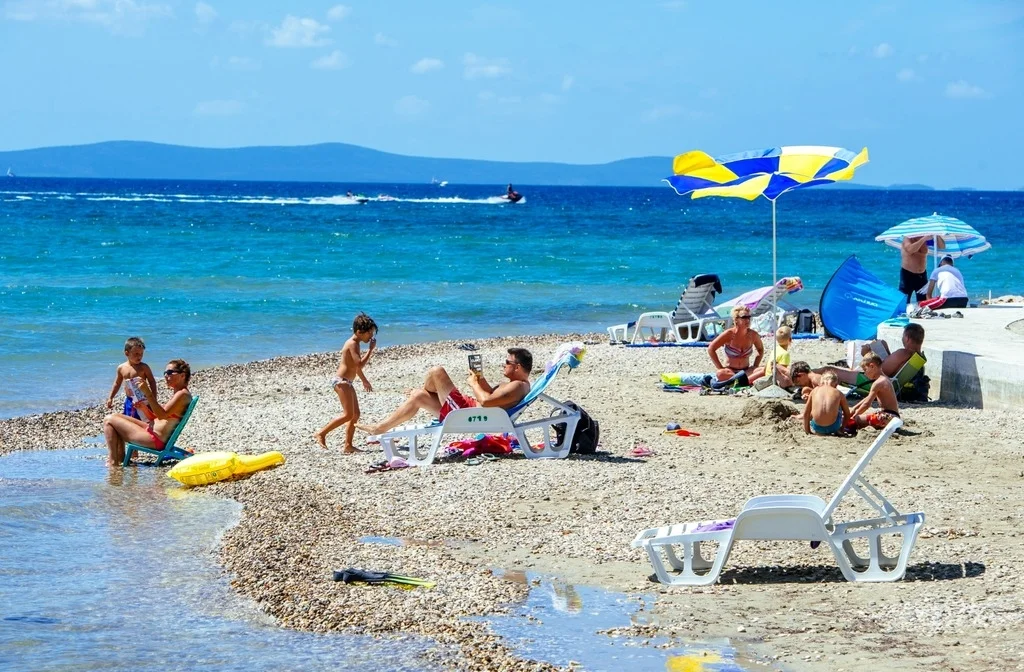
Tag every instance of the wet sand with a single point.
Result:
(960, 606)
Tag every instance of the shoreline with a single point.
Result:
(575, 518)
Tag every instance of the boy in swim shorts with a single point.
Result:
(826, 410)
(882, 391)
(364, 330)
(135, 405)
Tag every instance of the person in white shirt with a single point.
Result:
(947, 279)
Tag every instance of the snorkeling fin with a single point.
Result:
(354, 575)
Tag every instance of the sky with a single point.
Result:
(935, 90)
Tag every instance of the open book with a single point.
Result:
(139, 401)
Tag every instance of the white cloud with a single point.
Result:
(477, 67)
(218, 108)
(411, 106)
(205, 14)
(963, 89)
(242, 63)
(426, 65)
(567, 82)
(489, 97)
(906, 75)
(296, 32)
(384, 41)
(883, 50)
(661, 112)
(338, 12)
(332, 61)
(115, 15)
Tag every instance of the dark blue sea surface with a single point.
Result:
(219, 272)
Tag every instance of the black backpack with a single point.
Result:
(804, 322)
(588, 432)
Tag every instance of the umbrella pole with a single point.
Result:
(774, 391)
(775, 303)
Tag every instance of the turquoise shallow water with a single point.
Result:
(115, 570)
(219, 272)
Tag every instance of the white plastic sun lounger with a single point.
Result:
(487, 420)
(694, 311)
(792, 517)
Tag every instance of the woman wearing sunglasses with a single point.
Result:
(119, 429)
(738, 342)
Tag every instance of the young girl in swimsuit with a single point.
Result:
(739, 342)
(119, 429)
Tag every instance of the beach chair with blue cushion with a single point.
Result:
(424, 441)
(793, 517)
(691, 320)
(169, 451)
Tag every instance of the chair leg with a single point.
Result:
(694, 569)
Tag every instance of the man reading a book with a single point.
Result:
(440, 397)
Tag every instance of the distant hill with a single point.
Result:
(330, 162)
(333, 162)
(911, 187)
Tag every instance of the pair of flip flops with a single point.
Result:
(395, 464)
(481, 458)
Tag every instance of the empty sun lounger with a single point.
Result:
(169, 451)
(792, 517)
(691, 319)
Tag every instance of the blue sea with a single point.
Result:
(220, 272)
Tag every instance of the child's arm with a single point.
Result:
(156, 410)
(151, 380)
(366, 358)
(864, 404)
(117, 385)
(847, 413)
(807, 414)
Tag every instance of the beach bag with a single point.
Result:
(588, 432)
(917, 389)
(804, 322)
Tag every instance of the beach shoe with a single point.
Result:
(489, 457)
(672, 426)
(373, 438)
(474, 461)
(958, 314)
(398, 463)
(466, 346)
(377, 466)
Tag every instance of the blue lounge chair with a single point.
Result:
(169, 451)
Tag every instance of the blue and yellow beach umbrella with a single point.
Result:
(764, 172)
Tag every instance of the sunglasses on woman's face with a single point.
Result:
(171, 372)
(743, 317)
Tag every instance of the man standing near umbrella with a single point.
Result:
(914, 266)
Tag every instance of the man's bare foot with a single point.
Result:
(349, 450)
(321, 439)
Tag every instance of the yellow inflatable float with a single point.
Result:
(207, 468)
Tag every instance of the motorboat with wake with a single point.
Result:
(358, 198)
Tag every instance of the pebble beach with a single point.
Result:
(788, 606)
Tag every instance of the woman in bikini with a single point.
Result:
(119, 429)
(739, 342)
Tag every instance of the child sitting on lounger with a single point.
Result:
(364, 330)
(882, 391)
(826, 411)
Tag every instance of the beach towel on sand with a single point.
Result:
(681, 379)
(496, 444)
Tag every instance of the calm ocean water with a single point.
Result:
(219, 272)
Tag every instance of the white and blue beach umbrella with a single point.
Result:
(959, 239)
